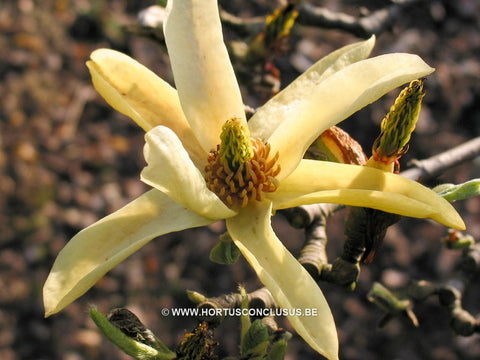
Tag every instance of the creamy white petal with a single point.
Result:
(171, 171)
(132, 89)
(94, 251)
(290, 284)
(336, 98)
(284, 105)
(326, 182)
(203, 74)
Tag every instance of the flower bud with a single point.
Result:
(397, 126)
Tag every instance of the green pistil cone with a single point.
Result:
(235, 144)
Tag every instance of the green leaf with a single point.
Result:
(225, 252)
(244, 318)
(256, 340)
(127, 344)
(466, 190)
(278, 350)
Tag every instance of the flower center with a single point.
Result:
(240, 170)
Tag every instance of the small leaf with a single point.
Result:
(391, 304)
(456, 240)
(131, 326)
(466, 190)
(278, 350)
(196, 297)
(127, 344)
(244, 318)
(225, 252)
(256, 340)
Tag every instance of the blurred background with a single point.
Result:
(67, 159)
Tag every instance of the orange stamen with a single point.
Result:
(249, 182)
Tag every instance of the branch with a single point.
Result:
(150, 20)
(309, 15)
(301, 217)
(374, 23)
(258, 299)
(243, 26)
(430, 168)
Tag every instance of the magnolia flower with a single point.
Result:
(206, 163)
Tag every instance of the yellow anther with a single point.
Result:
(252, 177)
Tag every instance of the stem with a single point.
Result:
(313, 255)
(430, 168)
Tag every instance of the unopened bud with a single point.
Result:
(397, 127)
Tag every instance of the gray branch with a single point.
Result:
(374, 23)
(430, 168)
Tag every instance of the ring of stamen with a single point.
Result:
(249, 182)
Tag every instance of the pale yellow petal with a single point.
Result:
(339, 96)
(290, 284)
(284, 105)
(326, 182)
(203, 74)
(97, 249)
(137, 92)
(171, 171)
